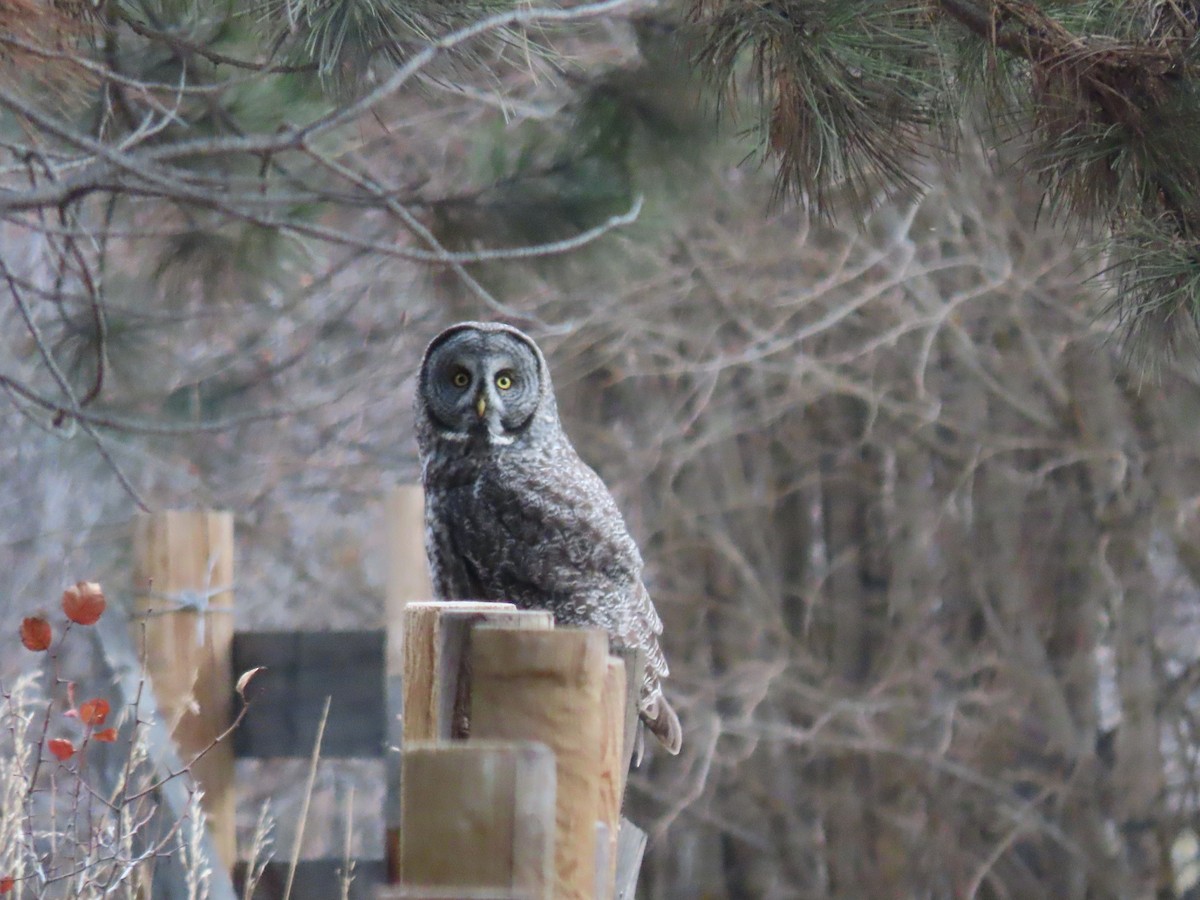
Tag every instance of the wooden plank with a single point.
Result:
(119, 656)
(613, 769)
(478, 814)
(302, 669)
(546, 686)
(436, 676)
(408, 571)
(183, 598)
(435, 683)
(435, 635)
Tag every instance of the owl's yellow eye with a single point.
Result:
(461, 378)
(504, 381)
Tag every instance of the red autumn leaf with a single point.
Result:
(61, 748)
(6, 884)
(35, 633)
(108, 735)
(83, 603)
(93, 712)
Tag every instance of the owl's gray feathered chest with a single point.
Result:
(532, 526)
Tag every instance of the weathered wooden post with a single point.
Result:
(505, 679)
(183, 599)
(479, 814)
(408, 572)
(434, 681)
(547, 686)
(437, 638)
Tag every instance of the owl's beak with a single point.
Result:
(481, 405)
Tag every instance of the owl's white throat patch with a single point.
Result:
(462, 437)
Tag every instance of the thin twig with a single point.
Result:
(308, 791)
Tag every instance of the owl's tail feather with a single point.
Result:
(656, 712)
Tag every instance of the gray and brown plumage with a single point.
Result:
(511, 511)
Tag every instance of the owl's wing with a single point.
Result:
(559, 538)
(557, 541)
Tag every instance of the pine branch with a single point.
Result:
(1104, 94)
(185, 47)
(848, 91)
(1111, 126)
(1112, 69)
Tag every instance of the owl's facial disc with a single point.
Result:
(485, 386)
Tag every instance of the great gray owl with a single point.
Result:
(511, 511)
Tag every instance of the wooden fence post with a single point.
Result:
(546, 686)
(479, 814)
(436, 650)
(408, 570)
(434, 682)
(183, 599)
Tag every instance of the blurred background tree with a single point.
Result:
(927, 550)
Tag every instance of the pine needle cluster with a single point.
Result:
(342, 38)
(37, 43)
(1103, 97)
(847, 90)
